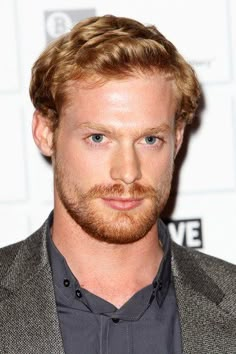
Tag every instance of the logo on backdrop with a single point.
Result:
(61, 21)
(186, 232)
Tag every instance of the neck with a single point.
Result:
(99, 265)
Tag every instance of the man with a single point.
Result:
(112, 100)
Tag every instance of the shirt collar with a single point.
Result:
(69, 288)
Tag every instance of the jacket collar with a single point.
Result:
(206, 317)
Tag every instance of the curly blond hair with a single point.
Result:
(104, 48)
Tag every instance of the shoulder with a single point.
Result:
(195, 262)
(7, 256)
(23, 250)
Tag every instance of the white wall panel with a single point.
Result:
(9, 47)
(14, 224)
(13, 177)
(232, 21)
(211, 159)
(39, 215)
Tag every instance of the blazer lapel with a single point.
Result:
(28, 315)
(207, 323)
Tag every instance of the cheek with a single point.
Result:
(83, 164)
(157, 165)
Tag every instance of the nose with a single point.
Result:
(125, 165)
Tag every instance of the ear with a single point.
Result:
(42, 133)
(179, 135)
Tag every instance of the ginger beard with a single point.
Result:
(104, 223)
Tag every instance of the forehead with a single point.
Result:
(137, 100)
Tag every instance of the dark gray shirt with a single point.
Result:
(147, 324)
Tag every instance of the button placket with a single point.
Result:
(115, 320)
(66, 283)
(78, 293)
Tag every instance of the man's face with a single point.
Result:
(114, 154)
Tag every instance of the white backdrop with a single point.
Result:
(204, 31)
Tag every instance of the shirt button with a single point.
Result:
(66, 283)
(115, 320)
(78, 294)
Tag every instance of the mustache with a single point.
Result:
(135, 191)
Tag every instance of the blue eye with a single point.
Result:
(150, 140)
(97, 138)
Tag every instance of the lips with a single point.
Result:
(122, 203)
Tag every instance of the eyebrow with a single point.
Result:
(163, 128)
(95, 126)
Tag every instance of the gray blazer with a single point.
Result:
(205, 290)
